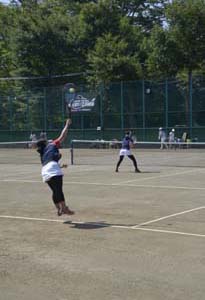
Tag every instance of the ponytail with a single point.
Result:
(41, 145)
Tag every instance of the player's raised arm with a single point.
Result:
(64, 132)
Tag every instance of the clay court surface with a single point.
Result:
(134, 236)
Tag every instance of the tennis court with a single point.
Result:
(134, 236)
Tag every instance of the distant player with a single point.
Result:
(43, 135)
(127, 143)
(33, 139)
(51, 170)
(172, 139)
(162, 137)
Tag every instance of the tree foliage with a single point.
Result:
(106, 39)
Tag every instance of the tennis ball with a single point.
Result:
(71, 90)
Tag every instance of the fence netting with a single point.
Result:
(141, 106)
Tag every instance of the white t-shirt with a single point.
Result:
(171, 136)
(51, 169)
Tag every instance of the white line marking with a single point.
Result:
(110, 184)
(21, 181)
(31, 219)
(136, 185)
(102, 225)
(159, 176)
(164, 187)
(169, 216)
(171, 232)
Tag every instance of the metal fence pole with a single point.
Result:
(45, 110)
(166, 105)
(62, 105)
(143, 108)
(121, 107)
(102, 87)
(28, 114)
(10, 112)
(190, 102)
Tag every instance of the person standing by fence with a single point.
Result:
(172, 139)
(163, 138)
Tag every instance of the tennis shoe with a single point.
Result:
(67, 211)
(137, 170)
(60, 212)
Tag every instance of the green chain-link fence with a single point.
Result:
(141, 106)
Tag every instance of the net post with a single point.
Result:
(71, 153)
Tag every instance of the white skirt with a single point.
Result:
(125, 152)
(51, 169)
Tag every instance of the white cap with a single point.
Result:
(173, 129)
(160, 128)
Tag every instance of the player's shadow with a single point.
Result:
(93, 225)
(150, 172)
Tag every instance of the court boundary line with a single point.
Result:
(110, 184)
(160, 176)
(120, 183)
(103, 225)
(168, 216)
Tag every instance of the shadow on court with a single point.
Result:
(94, 225)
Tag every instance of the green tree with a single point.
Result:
(41, 44)
(110, 61)
(186, 21)
(145, 14)
(6, 25)
(162, 54)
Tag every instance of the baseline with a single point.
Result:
(103, 225)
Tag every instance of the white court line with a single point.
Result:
(169, 216)
(120, 183)
(31, 219)
(171, 232)
(111, 184)
(21, 180)
(165, 187)
(159, 176)
(103, 225)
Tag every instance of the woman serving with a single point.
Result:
(52, 171)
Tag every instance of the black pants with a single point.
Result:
(130, 157)
(56, 185)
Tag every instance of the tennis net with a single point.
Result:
(100, 152)
(24, 153)
(18, 153)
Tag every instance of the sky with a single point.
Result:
(4, 1)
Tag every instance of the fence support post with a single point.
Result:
(190, 102)
(143, 108)
(121, 107)
(166, 105)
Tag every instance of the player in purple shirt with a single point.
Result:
(127, 143)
